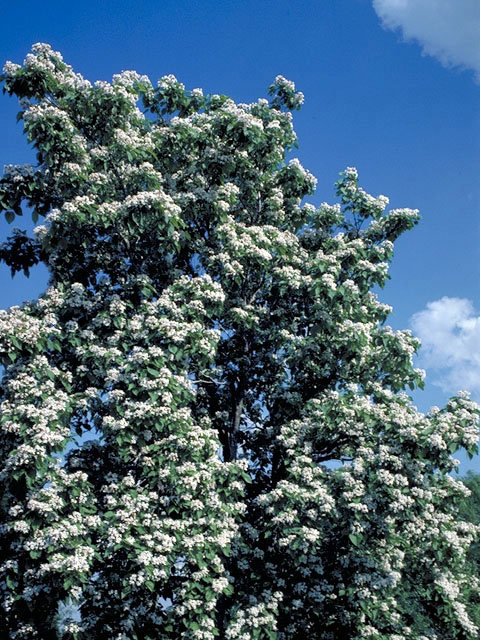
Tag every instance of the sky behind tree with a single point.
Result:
(391, 87)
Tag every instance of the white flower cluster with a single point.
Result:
(288, 85)
(11, 68)
(129, 78)
(17, 172)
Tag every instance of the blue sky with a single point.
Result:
(391, 87)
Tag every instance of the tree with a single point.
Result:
(204, 428)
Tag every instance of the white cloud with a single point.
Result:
(449, 329)
(446, 29)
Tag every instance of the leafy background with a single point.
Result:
(409, 123)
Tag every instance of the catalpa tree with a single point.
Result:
(204, 425)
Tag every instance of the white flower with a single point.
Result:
(10, 68)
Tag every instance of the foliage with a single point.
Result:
(469, 510)
(204, 429)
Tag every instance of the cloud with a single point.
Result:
(446, 29)
(449, 329)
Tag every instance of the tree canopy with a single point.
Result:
(204, 425)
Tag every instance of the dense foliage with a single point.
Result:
(469, 510)
(204, 428)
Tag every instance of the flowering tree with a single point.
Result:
(204, 430)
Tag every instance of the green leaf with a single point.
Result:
(354, 539)
(15, 342)
(10, 583)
